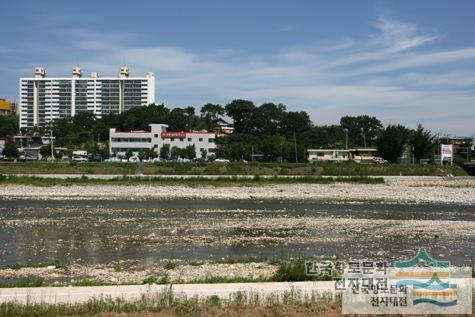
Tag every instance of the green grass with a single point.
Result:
(252, 259)
(16, 266)
(233, 168)
(156, 280)
(199, 181)
(170, 305)
(220, 279)
(294, 270)
(89, 282)
(30, 281)
(170, 266)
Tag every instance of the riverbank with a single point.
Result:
(129, 272)
(408, 189)
(186, 180)
(259, 299)
(232, 168)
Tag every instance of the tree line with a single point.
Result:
(267, 132)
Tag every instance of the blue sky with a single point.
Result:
(402, 61)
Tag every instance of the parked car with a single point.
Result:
(221, 160)
(134, 159)
(77, 158)
(112, 160)
(379, 160)
(94, 158)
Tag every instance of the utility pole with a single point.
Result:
(52, 146)
(281, 153)
(295, 149)
(364, 137)
(346, 137)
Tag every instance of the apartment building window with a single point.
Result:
(211, 140)
(189, 139)
(200, 139)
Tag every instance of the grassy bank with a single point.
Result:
(291, 303)
(288, 270)
(233, 181)
(234, 168)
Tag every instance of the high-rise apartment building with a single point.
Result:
(43, 99)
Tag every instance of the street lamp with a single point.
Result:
(346, 137)
(364, 137)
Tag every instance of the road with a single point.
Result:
(72, 295)
(148, 176)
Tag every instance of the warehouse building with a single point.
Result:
(121, 142)
(43, 99)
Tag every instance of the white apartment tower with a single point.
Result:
(43, 99)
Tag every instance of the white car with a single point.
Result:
(77, 158)
(134, 159)
(379, 160)
(221, 160)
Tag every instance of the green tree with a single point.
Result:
(165, 151)
(392, 141)
(275, 148)
(361, 129)
(211, 113)
(242, 113)
(268, 119)
(422, 143)
(150, 154)
(326, 137)
(8, 126)
(204, 154)
(129, 154)
(190, 152)
(175, 152)
(142, 156)
(45, 151)
(11, 149)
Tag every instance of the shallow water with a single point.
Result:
(95, 231)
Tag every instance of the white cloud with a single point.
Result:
(328, 79)
(423, 59)
(399, 36)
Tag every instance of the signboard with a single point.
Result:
(169, 135)
(446, 153)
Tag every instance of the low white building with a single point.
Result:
(327, 155)
(357, 155)
(137, 141)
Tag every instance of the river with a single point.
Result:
(101, 231)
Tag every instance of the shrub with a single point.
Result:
(291, 271)
(170, 266)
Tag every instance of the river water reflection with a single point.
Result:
(101, 231)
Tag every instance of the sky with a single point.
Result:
(403, 61)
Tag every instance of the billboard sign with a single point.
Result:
(170, 135)
(446, 153)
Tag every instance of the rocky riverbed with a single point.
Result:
(133, 272)
(126, 234)
(405, 189)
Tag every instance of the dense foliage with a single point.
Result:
(8, 126)
(268, 132)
